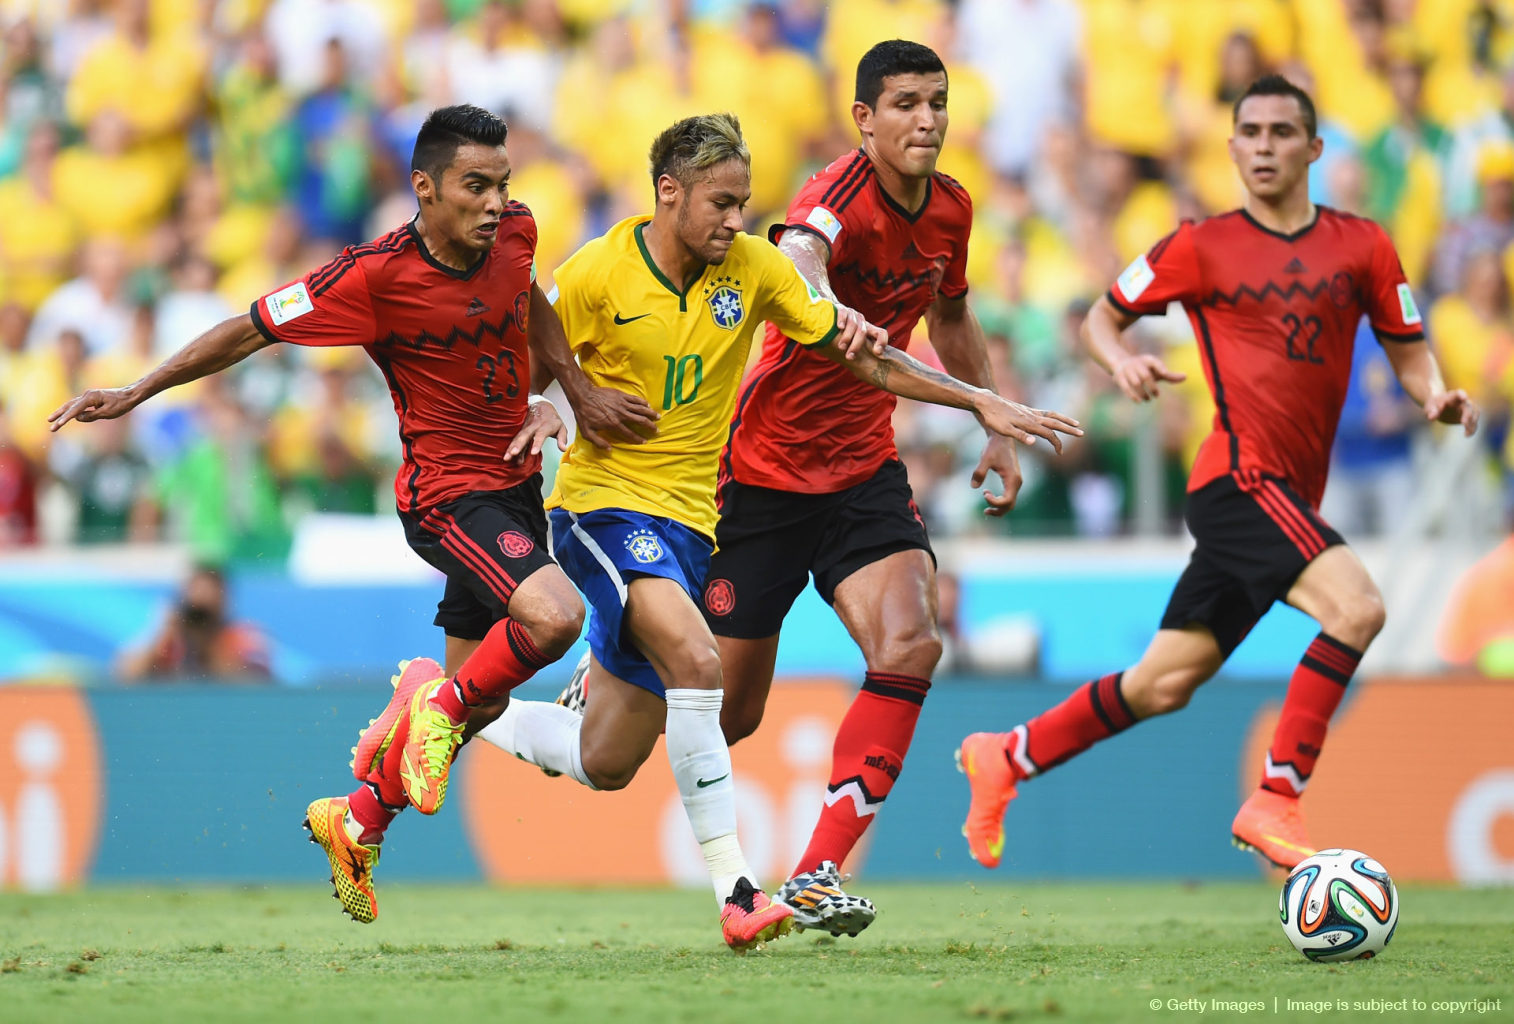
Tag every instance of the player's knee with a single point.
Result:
(914, 653)
(608, 773)
(738, 721)
(696, 665)
(1356, 620)
(1365, 617)
(555, 627)
(1165, 693)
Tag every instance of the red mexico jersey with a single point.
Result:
(450, 343)
(1275, 317)
(803, 423)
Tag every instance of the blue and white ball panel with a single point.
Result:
(602, 552)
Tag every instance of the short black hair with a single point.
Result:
(1277, 85)
(447, 128)
(893, 57)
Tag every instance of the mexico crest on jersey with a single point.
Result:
(644, 546)
(726, 308)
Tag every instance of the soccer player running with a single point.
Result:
(810, 479)
(447, 306)
(666, 306)
(1274, 291)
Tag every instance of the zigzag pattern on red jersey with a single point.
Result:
(1270, 288)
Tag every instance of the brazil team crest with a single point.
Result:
(726, 308)
(644, 546)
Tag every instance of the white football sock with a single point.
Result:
(701, 764)
(547, 735)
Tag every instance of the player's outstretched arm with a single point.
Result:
(903, 375)
(225, 344)
(1419, 373)
(1137, 374)
(604, 415)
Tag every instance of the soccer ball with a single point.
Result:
(1339, 905)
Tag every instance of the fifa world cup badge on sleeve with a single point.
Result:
(289, 303)
(825, 222)
(1136, 279)
(1406, 304)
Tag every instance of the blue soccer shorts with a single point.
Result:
(602, 552)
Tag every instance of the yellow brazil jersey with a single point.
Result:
(684, 352)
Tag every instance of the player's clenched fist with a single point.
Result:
(1139, 375)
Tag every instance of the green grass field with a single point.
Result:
(937, 953)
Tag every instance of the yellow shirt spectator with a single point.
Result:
(549, 187)
(37, 242)
(140, 184)
(853, 27)
(779, 96)
(1130, 50)
(1347, 91)
(155, 86)
(1202, 28)
(1476, 353)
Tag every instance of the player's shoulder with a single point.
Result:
(516, 224)
(596, 258)
(753, 250)
(374, 258)
(951, 190)
(1214, 226)
(1352, 225)
(838, 185)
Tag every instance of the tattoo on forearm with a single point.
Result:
(878, 375)
(915, 368)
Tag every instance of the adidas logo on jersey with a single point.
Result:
(475, 307)
(910, 252)
(1295, 266)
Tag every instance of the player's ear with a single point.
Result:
(425, 188)
(668, 190)
(1316, 147)
(862, 117)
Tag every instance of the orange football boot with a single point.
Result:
(352, 863)
(1270, 824)
(376, 740)
(983, 759)
(749, 918)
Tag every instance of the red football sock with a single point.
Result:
(1317, 686)
(369, 810)
(869, 752)
(1096, 711)
(506, 658)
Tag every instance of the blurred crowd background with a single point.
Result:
(165, 162)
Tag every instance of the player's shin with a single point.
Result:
(865, 762)
(506, 658)
(1314, 692)
(546, 735)
(701, 764)
(1096, 711)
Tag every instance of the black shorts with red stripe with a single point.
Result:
(486, 543)
(1254, 536)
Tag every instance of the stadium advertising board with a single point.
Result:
(51, 789)
(1418, 770)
